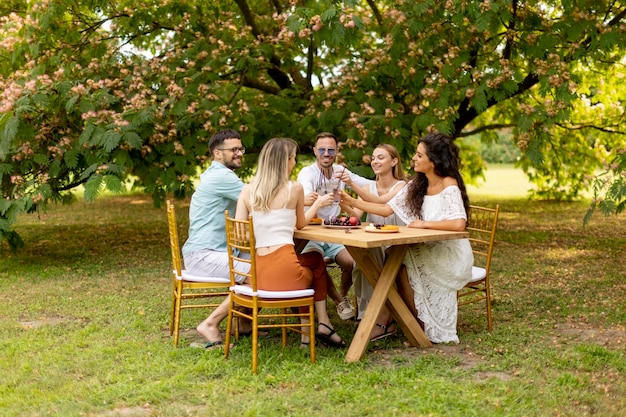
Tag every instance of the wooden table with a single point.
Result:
(357, 242)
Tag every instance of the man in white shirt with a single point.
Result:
(315, 179)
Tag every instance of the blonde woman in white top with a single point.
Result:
(390, 179)
(277, 206)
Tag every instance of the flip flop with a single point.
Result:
(210, 345)
(386, 332)
(327, 338)
(207, 345)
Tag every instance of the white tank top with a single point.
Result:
(274, 227)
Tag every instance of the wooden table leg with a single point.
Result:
(384, 292)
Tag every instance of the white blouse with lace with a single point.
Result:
(437, 270)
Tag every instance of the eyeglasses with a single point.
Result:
(329, 151)
(233, 150)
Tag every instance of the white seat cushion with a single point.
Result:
(478, 273)
(247, 290)
(186, 276)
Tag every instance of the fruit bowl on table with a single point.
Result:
(341, 226)
(342, 222)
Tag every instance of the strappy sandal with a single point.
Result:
(327, 339)
(386, 332)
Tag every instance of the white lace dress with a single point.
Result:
(437, 270)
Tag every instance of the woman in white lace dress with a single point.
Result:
(434, 199)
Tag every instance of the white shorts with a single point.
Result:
(212, 263)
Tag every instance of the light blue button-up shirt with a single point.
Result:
(218, 190)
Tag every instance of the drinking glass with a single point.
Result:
(334, 185)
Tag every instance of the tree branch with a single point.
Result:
(468, 113)
(277, 74)
(485, 128)
(377, 14)
(258, 85)
(277, 6)
(506, 54)
(618, 17)
(310, 61)
(573, 126)
(247, 16)
(72, 185)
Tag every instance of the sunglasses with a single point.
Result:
(329, 151)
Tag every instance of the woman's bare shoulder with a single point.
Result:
(448, 181)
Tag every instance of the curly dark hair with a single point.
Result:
(444, 154)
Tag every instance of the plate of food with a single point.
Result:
(316, 221)
(382, 228)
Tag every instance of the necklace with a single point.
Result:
(434, 187)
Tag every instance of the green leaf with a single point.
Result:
(110, 140)
(133, 139)
(88, 171)
(534, 153)
(92, 187)
(41, 100)
(329, 14)
(40, 159)
(87, 133)
(113, 183)
(180, 108)
(479, 101)
(55, 168)
(71, 158)
(5, 169)
(10, 129)
(69, 106)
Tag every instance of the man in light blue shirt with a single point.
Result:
(204, 252)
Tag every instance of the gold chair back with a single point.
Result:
(265, 309)
(482, 226)
(186, 286)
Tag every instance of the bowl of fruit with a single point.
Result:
(343, 221)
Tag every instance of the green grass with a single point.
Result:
(84, 314)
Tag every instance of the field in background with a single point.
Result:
(501, 180)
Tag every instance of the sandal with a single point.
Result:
(207, 345)
(327, 339)
(386, 332)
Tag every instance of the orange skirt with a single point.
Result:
(283, 270)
